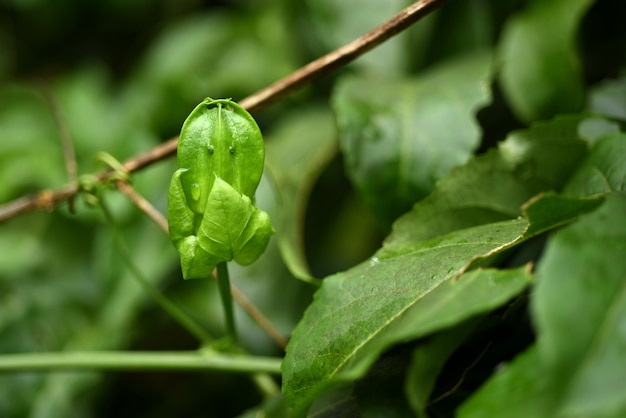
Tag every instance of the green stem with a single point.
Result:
(139, 360)
(175, 312)
(223, 283)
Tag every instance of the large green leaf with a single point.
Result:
(492, 187)
(578, 366)
(403, 292)
(540, 72)
(296, 152)
(579, 308)
(604, 170)
(399, 136)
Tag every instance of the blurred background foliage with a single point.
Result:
(122, 77)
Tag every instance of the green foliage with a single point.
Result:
(540, 74)
(577, 366)
(407, 133)
(462, 185)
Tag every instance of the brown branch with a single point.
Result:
(49, 199)
(258, 317)
(340, 57)
(143, 205)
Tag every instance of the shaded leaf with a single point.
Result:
(296, 152)
(579, 307)
(428, 360)
(336, 403)
(399, 136)
(379, 393)
(492, 187)
(540, 72)
(275, 407)
(516, 391)
(578, 365)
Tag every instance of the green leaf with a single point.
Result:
(540, 72)
(399, 136)
(461, 27)
(516, 391)
(356, 315)
(297, 151)
(427, 361)
(406, 291)
(232, 226)
(604, 170)
(492, 187)
(275, 407)
(581, 336)
(578, 366)
(380, 394)
(609, 98)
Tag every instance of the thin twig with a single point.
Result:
(340, 57)
(258, 317)
(49, 199)
(143, 205)
(66, 137)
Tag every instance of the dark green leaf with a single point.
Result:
(428, 360)
(357, 314)
(516, 391)
(540, 72)
(579, 307)
(399, 136)
(578, 366)
(296, 152)
(380, 394)
(493, 187)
